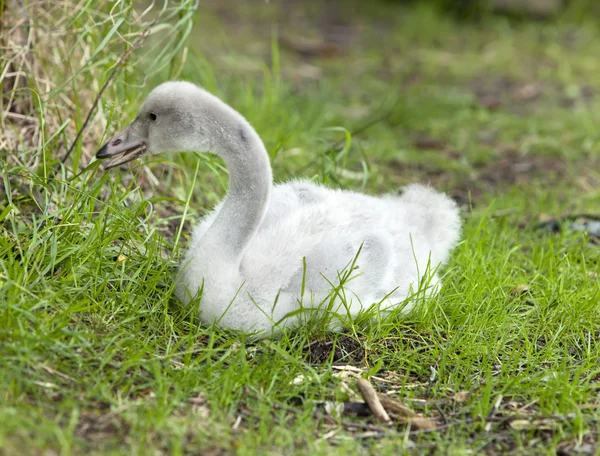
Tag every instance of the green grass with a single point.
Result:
(97, 356)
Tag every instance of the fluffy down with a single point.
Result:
(402, 237)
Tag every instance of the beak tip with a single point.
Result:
(103, 153)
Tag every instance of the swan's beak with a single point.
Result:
(124, 147)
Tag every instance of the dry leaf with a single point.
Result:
(461, 396)
(528, 92)
(543, 217)
(519, 289)
(521, 425)
(393, 406)
(524, 425)
(347, 371)
(429, 144)
(423, 423)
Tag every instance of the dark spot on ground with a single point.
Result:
(98, 428)
(345, 349)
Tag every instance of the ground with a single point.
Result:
(96, 354)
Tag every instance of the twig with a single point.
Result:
(55, 372)
(488, 425)
(441, 412)
(371, 398)
(350, 426)
(137, 45)
(394, 406)
(496, 406)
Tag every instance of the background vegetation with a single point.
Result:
(97, 356)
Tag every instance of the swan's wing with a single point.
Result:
(288, 197)
(326, 237)
(401, 237)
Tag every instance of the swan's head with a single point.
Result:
(175, 117)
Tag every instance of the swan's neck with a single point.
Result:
(250, 182)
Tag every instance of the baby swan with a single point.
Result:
(269, 250)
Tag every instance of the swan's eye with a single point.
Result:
(152, 116)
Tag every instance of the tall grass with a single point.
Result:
(61, 54)
(58, 237)
(57, 59)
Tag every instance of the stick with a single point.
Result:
(372, 400)
(138, 44)
(394, 406)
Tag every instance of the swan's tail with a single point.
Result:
(436, 216)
